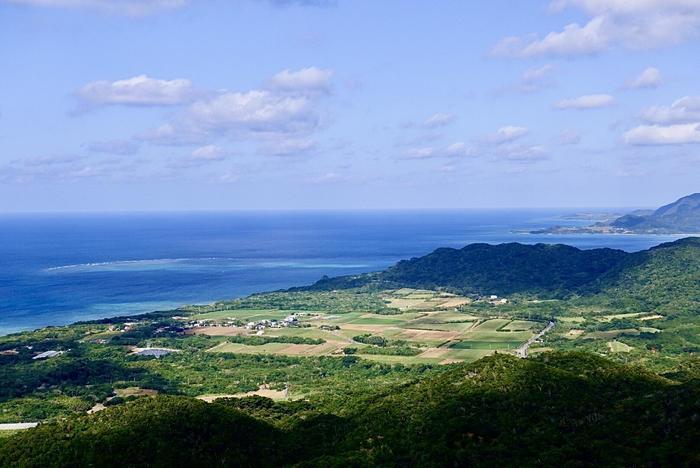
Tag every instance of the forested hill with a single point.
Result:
(560, 409)
(542, 269)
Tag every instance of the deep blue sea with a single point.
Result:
(58, 269)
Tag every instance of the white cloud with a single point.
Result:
(501, 145)
(663, 135)
(437, 120)
(118, 147)
(520, 153)
(282, 118)
(649, 78)
(536, 74)
(137, 91)
(570, 137)
(440, 119)
(460, 149)
(421, 153)
(638, 24)
(591, 101)
(257, 111)
(685, 109)
(574, 39)
(119, 7)
(507, 134)
(309, 79)
(208, 153)
(454, 150)
(534, 79)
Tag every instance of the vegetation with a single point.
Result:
(261, 340)
(360, 369)
(667, 275)
(558, 409)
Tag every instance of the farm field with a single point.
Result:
(618, 347)
(422, 328)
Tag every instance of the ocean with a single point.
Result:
(56, 269)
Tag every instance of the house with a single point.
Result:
(47, 354)
(290, 320)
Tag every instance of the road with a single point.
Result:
(17, 426)
(521, 352)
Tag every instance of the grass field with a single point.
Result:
(492, 345)
(520, 325)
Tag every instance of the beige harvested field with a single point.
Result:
(417, 299)
(263, 391)
(452, 303)
(406, 303)
(620, 316)
(220, 331)
(135, 391)
(328, 347)
(651, 317)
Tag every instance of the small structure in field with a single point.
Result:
(47, 355)
(156, 352)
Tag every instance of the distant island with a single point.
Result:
(679, 217)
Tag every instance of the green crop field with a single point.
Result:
(493, 345)
(520, 325)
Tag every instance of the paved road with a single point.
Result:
(17, 426)
(521, 352)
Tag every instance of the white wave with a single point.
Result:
(196, 262)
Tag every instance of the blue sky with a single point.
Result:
(298, 104)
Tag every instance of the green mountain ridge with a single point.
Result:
(663, 275)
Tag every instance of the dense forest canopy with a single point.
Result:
(570, 408)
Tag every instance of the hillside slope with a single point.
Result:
(663, 278)
(666, 274)
(570, 409)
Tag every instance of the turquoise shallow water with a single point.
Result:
(57, 269)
